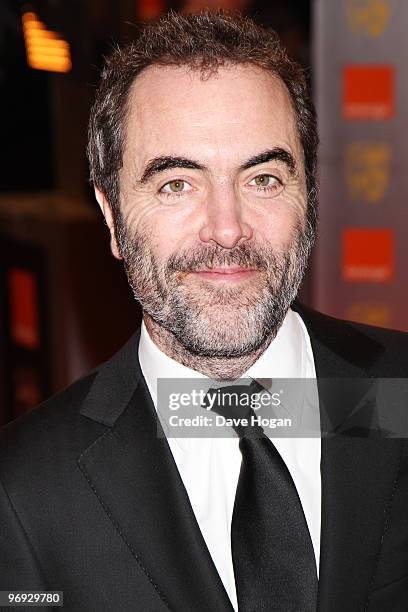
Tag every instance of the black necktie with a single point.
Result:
(272, 552)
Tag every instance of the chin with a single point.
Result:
(223, 336)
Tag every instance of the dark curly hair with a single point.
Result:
(203, 42)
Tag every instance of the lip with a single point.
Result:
(229, 274)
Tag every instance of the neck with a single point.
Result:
(217, 368)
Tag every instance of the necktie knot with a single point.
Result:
(235, 403)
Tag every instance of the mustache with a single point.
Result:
(208, 257)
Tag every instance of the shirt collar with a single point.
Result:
(284, 358)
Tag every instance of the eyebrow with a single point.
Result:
(168, 162)
(276, 154)
(160, 164)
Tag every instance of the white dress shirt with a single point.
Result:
(209, 467)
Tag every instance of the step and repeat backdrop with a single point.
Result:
(361, 93)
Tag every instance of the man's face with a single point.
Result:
(213, 205)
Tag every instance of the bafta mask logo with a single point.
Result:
(369, 17)
(367, 167)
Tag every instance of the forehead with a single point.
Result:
(173, 110)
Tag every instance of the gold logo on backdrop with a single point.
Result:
(368, 17)
(367, 167)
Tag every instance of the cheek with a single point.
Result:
(278, 222)
(144, 213)
(164, 231)
(169, 236)
(137, 211)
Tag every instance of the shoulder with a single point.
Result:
(39, 451)
(35, 443)
(63, 414)
(388, 348)
(320, 319)
(390, 338)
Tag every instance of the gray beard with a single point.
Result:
(217, 321)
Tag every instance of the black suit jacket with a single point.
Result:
(91, 501)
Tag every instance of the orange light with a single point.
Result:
(43, 62)
(44, 47)
(29, 16)
(41, 35)
(46, 50)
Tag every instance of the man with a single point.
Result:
(202, 148)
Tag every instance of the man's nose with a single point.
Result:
(224, 222)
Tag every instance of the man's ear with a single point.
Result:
(107, 213)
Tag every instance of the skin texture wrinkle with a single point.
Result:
(212, 226)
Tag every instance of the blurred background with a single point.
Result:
(64, 302)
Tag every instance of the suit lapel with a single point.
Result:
(133, 473)
(358, 474)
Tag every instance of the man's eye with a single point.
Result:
(176, 186)
(266, 181)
